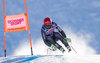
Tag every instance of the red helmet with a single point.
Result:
(47, 21)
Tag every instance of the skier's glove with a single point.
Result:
(53, 48)
(68, 39)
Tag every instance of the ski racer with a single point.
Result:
(51, 33)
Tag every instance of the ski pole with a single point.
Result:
(47, 50)
(74, 49)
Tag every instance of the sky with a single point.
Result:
(80, 19)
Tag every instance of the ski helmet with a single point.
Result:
(47, 21)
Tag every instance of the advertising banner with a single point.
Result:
(16, 23)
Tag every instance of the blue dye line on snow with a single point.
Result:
(13, 60)
(28, 59)
(38, 56)
(31, 58)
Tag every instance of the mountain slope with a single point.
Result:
(52, 59)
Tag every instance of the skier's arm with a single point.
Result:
(44, 37)
(60, 30)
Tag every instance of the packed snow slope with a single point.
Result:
(80, 42)
(52, 59)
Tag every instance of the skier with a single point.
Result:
(51, 33)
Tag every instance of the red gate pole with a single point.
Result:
(30, 43)
(29, 29)
(4, 26)
(5, 44)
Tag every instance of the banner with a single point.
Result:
(16, 23)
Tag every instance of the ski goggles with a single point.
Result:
(48, 26)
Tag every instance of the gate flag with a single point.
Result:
(16, 23)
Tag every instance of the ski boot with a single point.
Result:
(62, 50)
(53, 48)
(69, 49)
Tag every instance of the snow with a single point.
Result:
(68, 59)
(52, 59)
(80, 42)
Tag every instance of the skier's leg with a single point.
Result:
(52, 41)
(57, 35)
